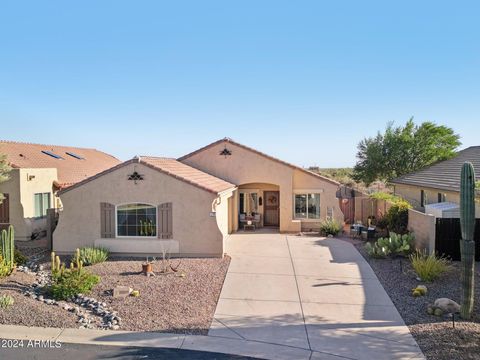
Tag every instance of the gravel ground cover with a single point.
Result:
(167, 303)
(27, 311)
(181, 302)
(436, 336)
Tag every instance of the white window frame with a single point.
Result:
(307, 192)
(42, 203)
(132, 236)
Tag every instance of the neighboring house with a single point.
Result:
(190, 205)
(38, 172)
(439, 182)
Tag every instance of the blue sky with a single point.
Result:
(301, 80)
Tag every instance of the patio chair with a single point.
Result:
(242, 218)
(257, 220)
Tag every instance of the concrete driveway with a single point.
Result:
(314, 296)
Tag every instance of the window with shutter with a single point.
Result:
(165, 221)
(107, 220)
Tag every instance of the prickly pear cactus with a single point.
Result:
(467, 244)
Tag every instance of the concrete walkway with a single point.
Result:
(317, 297)
(284, 297)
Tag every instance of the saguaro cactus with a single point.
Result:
(8, 246)
(467, 244)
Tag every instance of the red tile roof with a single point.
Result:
(172, 168)
(70, 169)
(187, 173)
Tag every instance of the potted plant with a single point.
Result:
(147, 266)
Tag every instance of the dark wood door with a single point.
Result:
(271, 210)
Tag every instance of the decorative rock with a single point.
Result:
(121, 291)
(447, 305)
(115, 327)
(40, 298)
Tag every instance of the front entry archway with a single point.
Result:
(258, 205)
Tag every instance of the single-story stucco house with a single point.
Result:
(38, 172)
(190, 205)
(439, 182)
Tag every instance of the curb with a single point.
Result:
(159, 340)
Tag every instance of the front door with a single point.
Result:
(271, 211)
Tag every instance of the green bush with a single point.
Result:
(6, 301)
(429, 267)
(393, 245)
(380, 195)
(19, 258)
(68, 282)
(5, 268)
(382, 223)
(396, 218)
(73, 282)
(330, 227)
(93, 255)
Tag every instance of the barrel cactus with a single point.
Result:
(467, 244)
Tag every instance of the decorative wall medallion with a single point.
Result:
(135, 176)
(225, 152)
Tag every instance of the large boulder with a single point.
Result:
(447, 305)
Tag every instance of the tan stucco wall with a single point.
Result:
(247, 167)
(412, 194)
(194, 230)
(21, 187)
(423, 226)
(305, 183)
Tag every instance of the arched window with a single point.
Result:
(137, 220)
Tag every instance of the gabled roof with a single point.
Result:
(172, 168)
(444, 175)
(73, 164)
(229, 140)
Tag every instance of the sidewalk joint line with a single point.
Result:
(229, 328)
(298, 292)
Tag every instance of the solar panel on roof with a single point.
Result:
(74, 155)
(52, 154)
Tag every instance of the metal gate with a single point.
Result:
(448, 234)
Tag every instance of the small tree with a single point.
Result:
(402, 150)
(4, 171)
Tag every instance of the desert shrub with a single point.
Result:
(330, 227)
(93, 255)
(380, 195)
(393, 245)
(68, 282)
(5, 267)
(6, 301)
(73, 282)
(382, 223)
(19, 258)
(397, 217)
(429, 266)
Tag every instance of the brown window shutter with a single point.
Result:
(5, 210)
(165, 221)
(107, 220)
